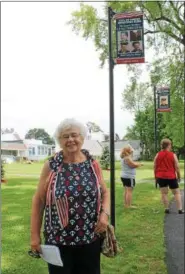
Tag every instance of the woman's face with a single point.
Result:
(71, 140)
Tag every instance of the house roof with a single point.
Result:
(12, 146)
(120, 144)
(10, 137)
(93, 146)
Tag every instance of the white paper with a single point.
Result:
(51, 254)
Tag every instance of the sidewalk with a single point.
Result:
(174, 240)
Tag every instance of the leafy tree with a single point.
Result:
(93, 127)
(117, 138)
(165, 33)
(2, 172)
(105, 158)
(164, 23)
(40, 134)
(143, 129)
(7, 130)
(136, 96)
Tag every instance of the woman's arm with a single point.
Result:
(177, 168)
(132, 163)
(155, 165)
(38, 205)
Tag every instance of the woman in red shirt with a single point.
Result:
(167, 174)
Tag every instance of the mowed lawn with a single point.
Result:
(139, 231)
(144, 173)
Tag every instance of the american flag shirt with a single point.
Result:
(77, 182)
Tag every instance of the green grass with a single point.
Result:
(144, 173)
(139, 231)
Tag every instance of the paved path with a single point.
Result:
(174, 240)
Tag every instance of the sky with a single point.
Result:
(48, 73)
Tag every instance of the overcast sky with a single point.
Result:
(49, 73)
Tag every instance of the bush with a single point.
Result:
(105, 158)
(2, 170)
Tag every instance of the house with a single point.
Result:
(98, 136)
(36, 150)
(136, 144)
(13, 148)
(11, 144)
(33, 150)
(94, 147)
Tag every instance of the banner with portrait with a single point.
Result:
(129, 38)
(163, 99)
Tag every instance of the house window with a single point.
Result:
(39, 150)
(31, 151)
(46, 150)
(42, 150)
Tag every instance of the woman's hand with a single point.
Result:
(35, 243)
(102, 223)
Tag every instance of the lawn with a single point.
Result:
(144, 173)
(139, 231)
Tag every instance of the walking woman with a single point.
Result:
(75, 199)
(167, 174)
(128, 174)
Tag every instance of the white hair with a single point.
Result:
(67, 124)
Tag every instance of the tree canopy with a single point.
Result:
(93, 127)
(164, 31)
(40, 134)
(164, 23)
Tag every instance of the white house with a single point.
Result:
(136, 144)
(97, 136)
(34, 150)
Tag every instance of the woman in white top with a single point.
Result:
(128, 173)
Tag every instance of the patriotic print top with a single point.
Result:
(77, 194)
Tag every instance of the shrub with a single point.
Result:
(105, 158)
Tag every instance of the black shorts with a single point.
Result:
(128, 182)
(171, 183)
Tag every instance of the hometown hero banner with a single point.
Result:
(130, 38)
(163, 95)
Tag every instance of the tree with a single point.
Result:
(2, 173)
(143, 130)
(2, 170)
(7, 130)
(136, 96)
(93, 127)
(117, 138)
(164, 23)
(105, 158)
(165, 33)
(40, 134)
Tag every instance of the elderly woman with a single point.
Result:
(128, 173)
(75, 199)
(167, 174)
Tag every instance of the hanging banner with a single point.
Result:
(163, 99)
(129, 38)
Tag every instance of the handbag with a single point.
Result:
(109, 247)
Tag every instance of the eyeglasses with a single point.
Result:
(72, 135)
(34, 254)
